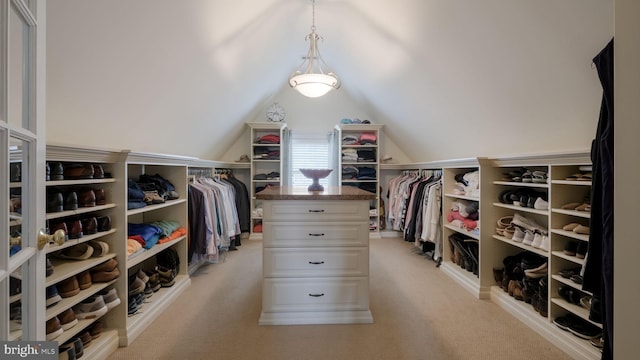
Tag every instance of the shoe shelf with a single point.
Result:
(571, 283)
(80, 182)
(15, 298)
(145, 255)
(522, 246)
(522, 208)
(573, 259)
(582, 214)
(78, 211)
(574, 309)
(155, 206)
(462, 197)
(522, 184)
(75, 330)
(467, 233)
(571, 182)
(71, 242)
(65, 268)
(570, 234)
(103, 346)
(71, 301)
(153, 308)
(15, 335)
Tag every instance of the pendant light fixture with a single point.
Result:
(310, 79)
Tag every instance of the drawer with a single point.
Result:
(315, 294)
(329, 234)
(313, 262)
(320, 210)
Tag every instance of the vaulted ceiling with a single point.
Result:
(448, 78)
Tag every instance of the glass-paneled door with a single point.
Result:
(22, 169)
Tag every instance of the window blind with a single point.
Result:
(308, 151)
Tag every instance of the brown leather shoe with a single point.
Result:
(108, 265)
(55, 226)
(87, 198)
(78, 171)
(100, 197)
(104, 276)
(90, 226)
(71, 201)
(86, 339)
(67, 319)
(68, 287)
(84, 280)
(75, 229)
(98, 171)
(54, 328)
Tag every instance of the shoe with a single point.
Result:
(104, 223)
(100, 197)
(89, 225)
(541, 204)
(570, 248)
(581, 229)
(100, 248)
(50, 268)
(166, 276)
(67, 319)
(96, 329)
(154, 281)
(87, 198)
(585, 330)
(15, 286)
(55, 226)
(545, 243)
(68, 287)
(528, 237)
(537, 240)
(75, 229)
(564, 322)
(91, 308)
(585, 302)
(108, 265)
(518, 235)
(576, 279)
(55, 202)
(536, 273)
(84, 280)
(15, 171)
(598, 342)
(98, 171)
(528, 224)
(567, 273)
(569, 294)
(67, 352)
(110, 298)
(78, 171)
(81, 251)
(74, 344)
(152, 197)
(581, 250)
(53, 297)
(105, 276)
(71, 201)
(86, 338)
(54, 329)
(584, 207)
(143, 276)
(57, 171)
(570, 226)
(136, 286)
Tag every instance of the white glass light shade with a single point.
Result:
(313, 85)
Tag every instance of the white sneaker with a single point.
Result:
(540, 204)
(537, 240)
(545, 243)
(518, 235)
(528, 237)
(91, 308)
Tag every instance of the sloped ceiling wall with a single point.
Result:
(449, 79)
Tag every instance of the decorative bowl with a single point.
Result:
(316, 175)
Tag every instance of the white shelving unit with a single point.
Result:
(173, 169)
(267, 167)
(63, 269)
(371, 163)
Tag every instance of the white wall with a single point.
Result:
(449, 79)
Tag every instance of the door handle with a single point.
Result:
(316, 262)
(316, 211)
(44, 238)
(316, 295)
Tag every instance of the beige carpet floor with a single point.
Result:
(419, 313)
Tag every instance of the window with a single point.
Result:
(308, 151)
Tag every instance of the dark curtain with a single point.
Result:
(598, 274)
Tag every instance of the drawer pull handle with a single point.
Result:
(316, 211)
(316, 262)
(321, 234)
(316, 295)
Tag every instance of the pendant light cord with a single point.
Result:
(313, 15)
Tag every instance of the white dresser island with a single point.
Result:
(315, 256)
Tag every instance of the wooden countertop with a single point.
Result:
(301, 193)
